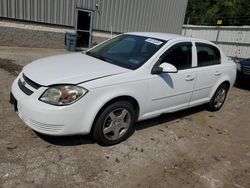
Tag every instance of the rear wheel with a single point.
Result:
(219, 97)
(114, 123)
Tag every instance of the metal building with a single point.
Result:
(101, 15)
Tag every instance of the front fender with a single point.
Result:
(101, 96)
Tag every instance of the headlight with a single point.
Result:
(63, 94)
(238, 66)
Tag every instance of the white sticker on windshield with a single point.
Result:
(153, 41)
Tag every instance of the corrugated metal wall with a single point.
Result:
(121, 15)
(234, 41)
(47, 11)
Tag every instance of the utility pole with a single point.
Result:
(186, 27)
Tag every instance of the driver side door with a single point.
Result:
(172, 91)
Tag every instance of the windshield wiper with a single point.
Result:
(99, 57)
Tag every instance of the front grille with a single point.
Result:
(30, 82)
(245, 69)
(24, 81)
(23, 88)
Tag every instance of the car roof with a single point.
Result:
(168, 36)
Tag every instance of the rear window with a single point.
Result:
(207, 55)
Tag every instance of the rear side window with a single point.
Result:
(207, 55)
(179, 55)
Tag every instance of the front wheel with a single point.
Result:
(114, 123)
(219, 98)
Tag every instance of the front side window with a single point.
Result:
(179, 55)
(129, 51)
(207, 55)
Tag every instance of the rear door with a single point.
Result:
(208, 72)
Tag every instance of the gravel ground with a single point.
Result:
(191, 148)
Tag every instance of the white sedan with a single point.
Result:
(129, 78)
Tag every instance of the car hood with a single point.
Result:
(69, 69)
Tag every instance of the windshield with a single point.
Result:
(129, 51)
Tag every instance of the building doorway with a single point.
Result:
(84, 28)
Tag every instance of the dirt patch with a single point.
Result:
(243, 179)
(9, 66)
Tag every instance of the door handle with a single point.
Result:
(189, 78)
(217, 73)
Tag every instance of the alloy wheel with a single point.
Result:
(220, 97)
(116, 124)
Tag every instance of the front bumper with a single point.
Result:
(244, 72)
(242, 76)
(49, 119)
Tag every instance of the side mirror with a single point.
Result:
(164, 68)
(168, 68)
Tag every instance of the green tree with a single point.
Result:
(205, 12)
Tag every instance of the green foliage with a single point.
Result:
(206, 12)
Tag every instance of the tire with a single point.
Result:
(218, 98)
(114, 124)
